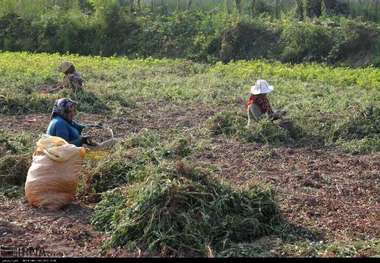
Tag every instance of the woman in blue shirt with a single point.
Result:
(62, 123)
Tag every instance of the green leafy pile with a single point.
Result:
(360, 133)
(180, 211)
(365, 124)
(174, 208)
(264, 131)
(14, 169)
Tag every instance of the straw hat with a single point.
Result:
(65, 66)
(261, 87)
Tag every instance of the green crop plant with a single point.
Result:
(168, 110)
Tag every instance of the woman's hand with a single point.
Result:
(88, 140)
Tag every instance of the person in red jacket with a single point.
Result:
(258, 104)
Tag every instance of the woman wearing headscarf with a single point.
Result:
(62, 123)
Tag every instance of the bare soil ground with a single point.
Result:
(333, 194)
(337, 194)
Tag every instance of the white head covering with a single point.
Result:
(261, 87)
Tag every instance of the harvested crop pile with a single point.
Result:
(110, 173)
(14, 168)
(360, 133)
(11, 143)
(89, 102)
(226, 122)
(6, 147)
(263, 131)
(365, 124)
(178, 210)
(123, 164)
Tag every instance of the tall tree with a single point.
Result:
(253, 7)
(238, 6)
(139, 5)
(330, 6)
(300, 10)
(152, 5)
(313, 8)
(131, 6)
(189, 4)
(277, 9)
(377, 4)
(227, 6)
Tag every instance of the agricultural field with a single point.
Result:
(189, 178)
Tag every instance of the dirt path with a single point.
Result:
(63, 233)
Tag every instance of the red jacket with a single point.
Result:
(262, 101)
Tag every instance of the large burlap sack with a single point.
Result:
(54, 174)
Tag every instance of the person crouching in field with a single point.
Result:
(258, 104)
(72, 79)
(62, 123)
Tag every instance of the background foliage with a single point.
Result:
(289, 31)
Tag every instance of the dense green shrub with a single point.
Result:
(195, 35)
(355, 42)
(249, 41)
(305, 41)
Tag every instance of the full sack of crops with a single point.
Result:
(53, 176)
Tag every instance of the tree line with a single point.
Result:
(202, 30)
(368, 9)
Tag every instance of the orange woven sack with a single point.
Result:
(54, 174)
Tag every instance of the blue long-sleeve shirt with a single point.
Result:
(69, 131)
